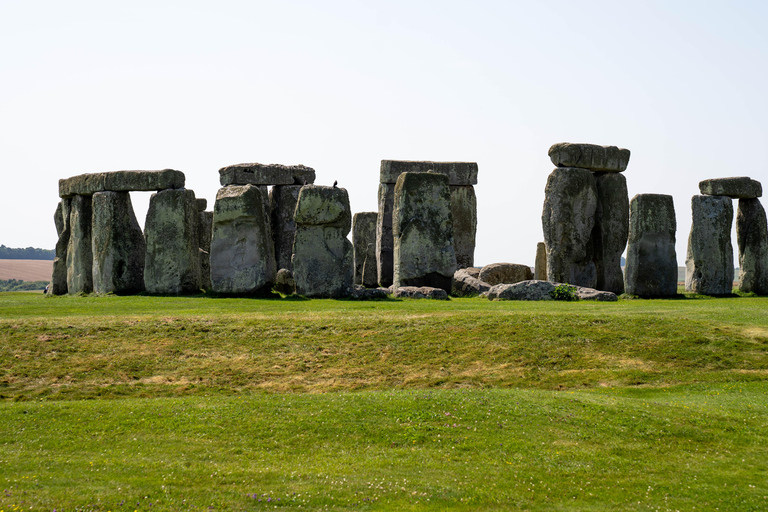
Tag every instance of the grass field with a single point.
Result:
(193, 403)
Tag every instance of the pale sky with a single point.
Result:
(340, 85)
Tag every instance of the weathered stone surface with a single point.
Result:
(509, 273)
(364, 248)
(540, 265)
(59, 275)
(302, 175)
(385, 242)
(363, 293)
(282, 205)
(204, 234)
(422, 224)
(172, 261)
(465, 285)
(596, 295)
(242, 251)
(589, 156)
(79, 255)
(322, 255)
(752, 240)
(256, 174)
(570, 201)
(121, 181)
(651, 268)
(464, 211)
(284, 282)
(420, 292)
(202, 203)
(541, 290)
(117, 244)
(611, 231)
(709, 261)
(737, 188)
(58, 217)
(459, 173)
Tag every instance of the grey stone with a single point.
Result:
(459, 173)
(464, 211)
(465, 285)
(363, 293)
(302, 175)
(473, 271)
(422, 224)
(540, 266)
(172, 261)
(202, 203)
(79, 255)
(420, 292)
(118, 245)
(509, 273)
(651, 268)
(256, 174)
(589, 156)
(736, 188)
(322, 255)
(596, 295)
(542, 290)
(58, 217)
(242, 251)
(752, 240)
(611, 231)
(121, 181)
(59, 275)
(385, 243)
(570, 201)
(204, 234)
(364, 248)
(284, 282)
(282, 205)
(709, 261)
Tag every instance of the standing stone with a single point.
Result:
(79, 255)
(609, 236)
(117, 244)
(282, 205)
(540, 266)
(59, 274)
(385, 243)
(322, 255)
(204, 233)
(464, 211)
(242, 251)
(570, 201)
(651, 269)
(422, 223)
(364, 248)
(752, 239)
(172, 262)
(709, 262)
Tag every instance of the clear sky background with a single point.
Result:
(91, 86)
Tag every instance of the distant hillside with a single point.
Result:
(26, 270)
(29, 253)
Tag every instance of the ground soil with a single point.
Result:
(26, 270)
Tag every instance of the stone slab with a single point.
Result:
(265, 174)
(589, 156)
(420, 292)
(505, 273)
(459, 173)
(741, 187)
(121, 181)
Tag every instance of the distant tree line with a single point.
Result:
(30, 253)
(16, 285)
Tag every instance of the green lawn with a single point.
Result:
(150, 403)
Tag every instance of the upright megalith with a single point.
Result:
(172, 261)
(752, 240)
(204, 234)
(651, 269)
(79, 249)
(422, 228)
(364, 248)
(59, 275)
(242, 253)
(570, 202)
(709, 262)
(117, 243)
(464, 211)
(282, 205)
(322, 255)
(609, 236)
(540, 266)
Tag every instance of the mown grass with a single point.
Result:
(389, 405)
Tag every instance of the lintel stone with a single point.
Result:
(589, 156)
(459, 173)
(265, 174)
(741, 187)
(121, 181)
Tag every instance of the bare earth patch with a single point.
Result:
(26, 270)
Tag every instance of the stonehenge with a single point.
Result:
(364, 248)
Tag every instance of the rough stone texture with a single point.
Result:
(422, 224)
(473, 271)
(465, 285)
(509, 273)
(302, 175)
(362, 293)
(284, 282)
(79, 255)
(570, 201)
(589, 156)
(121, 181)
(256, 174)
(117, 244)
(752, 240)
(172, 262)
(464, 210)
(609, 236)
(459, 173)
(385, 243)
(282, 205)
(59, 275)
(540, 266)
(596, 295)
(204, 233)
(651, 268)
(709, 261)
(202, 203)
(420, 292)
(322, 255)
(242, 251)
(541, 290)
(364, 248)
(737, 188)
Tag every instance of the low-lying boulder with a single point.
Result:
(465, 285)
(362, 293)
(505, 273)
(421, 292)
(542, 290)
(284, 282)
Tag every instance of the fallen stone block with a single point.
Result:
(420, 292)
(509, 273)
(465, 285)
